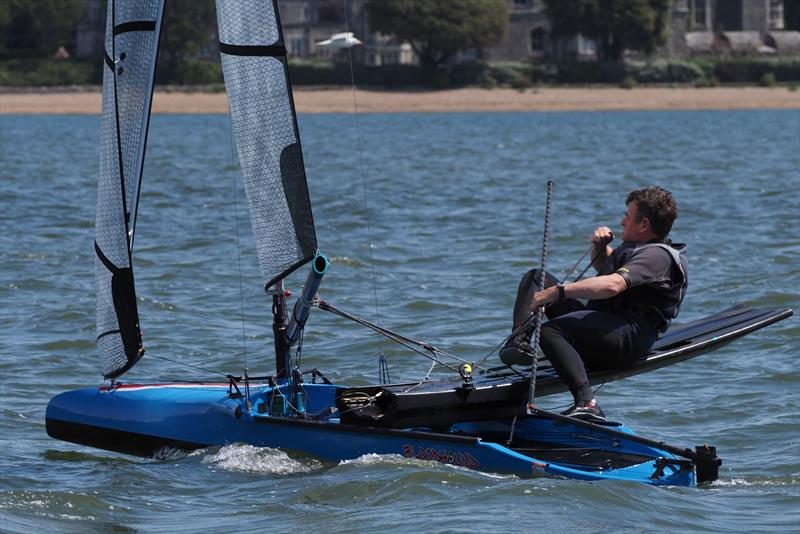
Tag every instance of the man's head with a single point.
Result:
(651, 212)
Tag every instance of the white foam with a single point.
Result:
(250, 459)
(734, 482)
(374, 459)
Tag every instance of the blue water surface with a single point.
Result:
(429, 220)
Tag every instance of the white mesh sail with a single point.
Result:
(266, 134)
(131, 45)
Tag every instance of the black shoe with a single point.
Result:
(517, 351)
(590, 412)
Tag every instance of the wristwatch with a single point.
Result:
(561, 294)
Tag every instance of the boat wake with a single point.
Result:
(395, 460)
(764, 482)
(251, 459)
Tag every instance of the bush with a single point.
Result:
(628, 82)
(662, 71)
(49, 72)
(190, 72)
(511, 73)
(390, 75)
(474, 73)
(521, 84)
(544, 73)
(325, 72)
(767, 80)
(591, 72)
(706, 81)
(749, 69)
(489, 83)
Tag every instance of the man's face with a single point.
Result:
(632, 227)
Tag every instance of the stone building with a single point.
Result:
(730, 27)
(696, 27)
(530, 37)
(304, 23)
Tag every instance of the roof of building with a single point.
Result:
(740, 41)
(785, 42)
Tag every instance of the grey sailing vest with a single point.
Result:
(658, 304)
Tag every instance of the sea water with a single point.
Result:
(429, 221)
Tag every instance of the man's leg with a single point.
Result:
(600, 339)
(517, 350)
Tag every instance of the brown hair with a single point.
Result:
(657, 205)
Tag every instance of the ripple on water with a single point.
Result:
(453, 206)
(59, 505)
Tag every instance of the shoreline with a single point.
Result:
(325, 100)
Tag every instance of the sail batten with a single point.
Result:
(266, 134)
(131, 45)
(135, 26)
(252, 50)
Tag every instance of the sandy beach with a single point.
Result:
(456, 100)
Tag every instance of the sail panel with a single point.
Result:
(266, 135)
(131, 44)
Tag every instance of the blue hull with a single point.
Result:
(142, 419)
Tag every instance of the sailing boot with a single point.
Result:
(586, 411)
(518, 350)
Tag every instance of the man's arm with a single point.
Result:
(601, 237)
(597, 288)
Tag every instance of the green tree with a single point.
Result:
(439, 29)
(188, 32)
(616, 25)
(189, 28)
(38, 27)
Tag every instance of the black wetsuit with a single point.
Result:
(617, 331)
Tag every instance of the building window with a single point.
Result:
(776, 14)
(537, 40)
(700, 12)
(297, 47)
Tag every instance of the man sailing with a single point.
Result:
(638, 291)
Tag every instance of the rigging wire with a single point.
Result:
(363, 180)
(238, 243)
(207, 370)
(395, 336)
